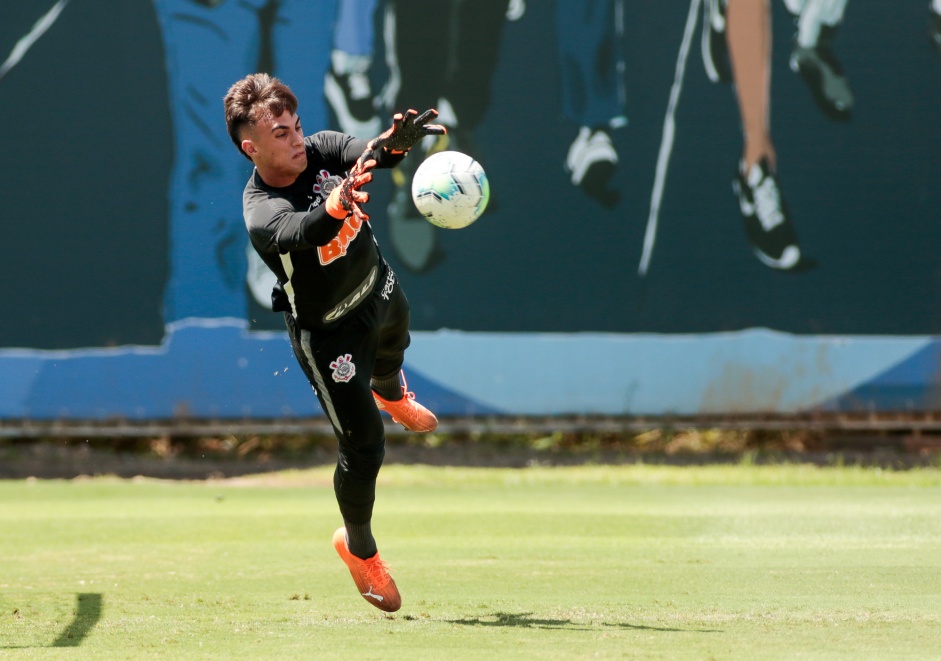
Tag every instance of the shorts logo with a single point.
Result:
(343, 369)
(388, 286)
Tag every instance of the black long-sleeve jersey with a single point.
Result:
(325, 265)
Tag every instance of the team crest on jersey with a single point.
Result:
(343, 368)
(325, 183)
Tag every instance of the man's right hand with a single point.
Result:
(347, 197)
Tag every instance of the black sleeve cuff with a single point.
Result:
(319, 227)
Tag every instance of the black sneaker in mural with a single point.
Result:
(767, 223)
(824, 77)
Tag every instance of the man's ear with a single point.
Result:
(248, 147)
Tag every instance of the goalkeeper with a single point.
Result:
(344, 308)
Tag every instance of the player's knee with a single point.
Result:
(362, 464)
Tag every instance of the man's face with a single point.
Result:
(276, 146)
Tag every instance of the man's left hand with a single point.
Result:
(407, 129)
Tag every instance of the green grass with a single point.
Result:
(639, 562)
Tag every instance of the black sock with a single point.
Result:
(389, 387)
(360, 540)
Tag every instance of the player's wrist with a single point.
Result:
(334, 205)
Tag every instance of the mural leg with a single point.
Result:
(208, 45)
(300, 35)
(414, 29)
(768, 226)
(289, 33)
(347, 83)
(442, 55)
(589, 36)
(715, 48)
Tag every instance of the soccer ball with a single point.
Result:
(450, 189)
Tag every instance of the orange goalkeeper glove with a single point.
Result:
(347, 197)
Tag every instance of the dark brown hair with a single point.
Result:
(253, 98)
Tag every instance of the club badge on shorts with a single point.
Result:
(343, 368)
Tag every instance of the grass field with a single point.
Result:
(636, 562)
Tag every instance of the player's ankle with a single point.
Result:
(389, 387)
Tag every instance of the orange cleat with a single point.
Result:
(407, 412)
(371, 576)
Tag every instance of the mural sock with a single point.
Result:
(389, 387)
(360, 540)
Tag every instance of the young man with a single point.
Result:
(346, 314)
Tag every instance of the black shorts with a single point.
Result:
(339, 362)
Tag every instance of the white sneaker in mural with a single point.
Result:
(591, 162)
(349, 93)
